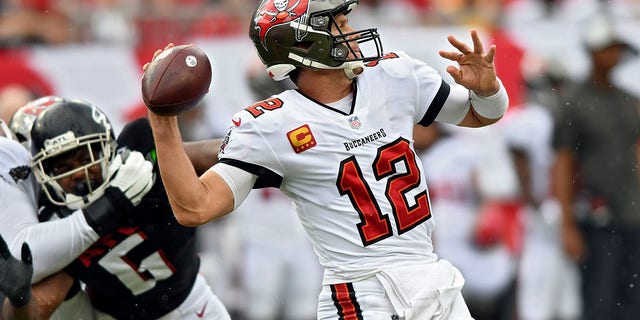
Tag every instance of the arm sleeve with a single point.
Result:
(456, 106)
(54, 244)
(240, 182)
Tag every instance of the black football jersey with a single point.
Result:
(147, 267)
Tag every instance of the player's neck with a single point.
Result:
(325, 86)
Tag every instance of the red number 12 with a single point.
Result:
(374, 225)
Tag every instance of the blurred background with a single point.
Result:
(95, 49)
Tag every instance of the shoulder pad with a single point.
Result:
(396, 64)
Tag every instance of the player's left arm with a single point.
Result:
(487, 100)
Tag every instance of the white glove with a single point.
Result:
(134, 177)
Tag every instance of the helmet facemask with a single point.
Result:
(5, 131)
(98, 150)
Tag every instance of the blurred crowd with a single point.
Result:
(137, 22)
(537, 236)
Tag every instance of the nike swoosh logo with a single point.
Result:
(236, 122)
(201, 313)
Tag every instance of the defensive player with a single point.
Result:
(54, 244)
(340, 147)
(146, 266)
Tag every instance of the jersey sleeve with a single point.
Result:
(137, 135)
(246, 147)
(432, 92)
(53, 244)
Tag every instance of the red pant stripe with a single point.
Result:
(344, 298)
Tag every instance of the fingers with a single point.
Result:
(4, 250)
(491, 54)
(477, 43)
(26, 254)
(461, 46)
(455, 73)
(453, 56)
(464, 49)
(155, 54)
(115, 165)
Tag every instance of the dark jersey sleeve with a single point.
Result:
(137, 135)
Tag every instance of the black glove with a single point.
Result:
(15, 275)
(131, 179)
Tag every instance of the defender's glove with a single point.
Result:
(133, 175)
(15, 275)
(132, 179)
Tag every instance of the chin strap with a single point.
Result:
(281, 71)
(75, 202)
(353, 69)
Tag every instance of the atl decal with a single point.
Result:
(301, 139)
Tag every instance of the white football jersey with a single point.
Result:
(15, 168)
(529, 129)
(53, 244)
(355, 181)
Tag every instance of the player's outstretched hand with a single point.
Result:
(475, 70)
(132, 174)
(15, 275)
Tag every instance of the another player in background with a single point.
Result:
(552, 292)
(340, 147)
(54, 244)
(468, 171)
(596, 178)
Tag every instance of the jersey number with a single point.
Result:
(374, 225)
(137, 278)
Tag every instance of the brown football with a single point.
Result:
(176, 80)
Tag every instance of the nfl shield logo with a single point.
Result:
(354, 122)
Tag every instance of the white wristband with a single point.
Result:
(491, 107)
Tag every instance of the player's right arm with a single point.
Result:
(564, 169)
(194, 200)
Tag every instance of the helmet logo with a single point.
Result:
(56, 144)
(276, 12)
(99, 117)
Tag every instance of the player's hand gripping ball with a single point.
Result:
(176, 80)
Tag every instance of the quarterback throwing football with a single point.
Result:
(340, 147)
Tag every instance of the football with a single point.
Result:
(176, 80)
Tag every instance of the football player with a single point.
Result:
(55, 244)
(144, 268)
(340, 147)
